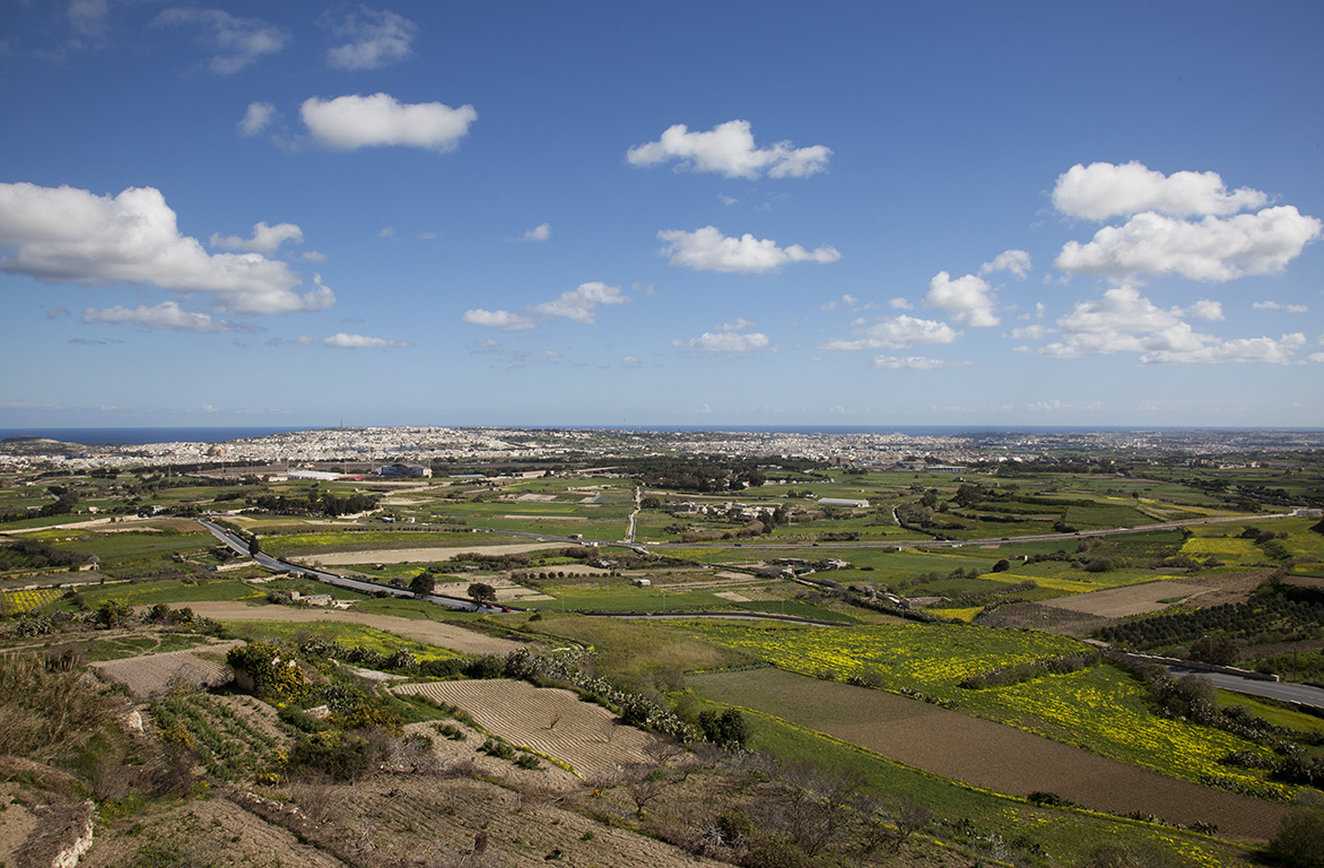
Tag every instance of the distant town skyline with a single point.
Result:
(761, 215)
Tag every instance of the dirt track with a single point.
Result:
(985, 753)
(420, 630)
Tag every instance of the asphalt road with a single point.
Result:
(1282, 691)
(276, 565)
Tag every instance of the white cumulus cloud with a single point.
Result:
(235, 42)
(580, 303)
(377, 37)
(266, 239)
(350, 122)
(166, 315)
(895, 333)
(541, 232)
(1211, 249)
(497, 319)
(1125, 321)
(257, 117)
(1279, 306)
(728, 149)
(1206, 309)
(707, 249)
(347, 341)
(71, 234)
(1015, 261)
(916, 363)
(968, 299)
(733, 337)
(1102, 190)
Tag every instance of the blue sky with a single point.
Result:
(879, 161)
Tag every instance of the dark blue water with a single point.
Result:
(137, 436)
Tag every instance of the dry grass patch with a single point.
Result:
(419, 629)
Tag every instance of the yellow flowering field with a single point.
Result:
(915, 655)
(966, 614)
(1223, 547)
(18, 602)
(1101, 709)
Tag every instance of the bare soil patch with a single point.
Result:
(1131, 600)
(421, 555)
(551, 721)
(985, 753)
(150, 674)
(428, 820)
(211, 832)
(506, 590)
(1037, 616)
(419, 629)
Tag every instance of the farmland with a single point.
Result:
(1098, 708)
(902, 691)
(552, 722)
(985, 754)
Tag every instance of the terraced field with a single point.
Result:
(153, 674)
(550, 721)
(18, 602)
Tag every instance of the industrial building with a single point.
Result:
(411, 470)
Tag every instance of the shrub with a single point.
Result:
(497, 748)
(727, 728)
(1300, 840)
(1041, 797)
(340, 756)
(449, 730)
(271, 674)
(488, 666)
(1002, 566)
(112, 613)
(528, 761)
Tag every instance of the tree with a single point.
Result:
(727, 728)
(1002, 566)
(481, 592)
(423, 584)
(254, 546)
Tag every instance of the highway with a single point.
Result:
(277, 565)
(1283, 691)
(987, 541)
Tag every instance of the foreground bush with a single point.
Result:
(343, 757)
(1300, 840)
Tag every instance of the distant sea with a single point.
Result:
(137, 436)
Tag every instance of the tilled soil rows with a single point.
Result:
(150, 674)
(551, 721)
